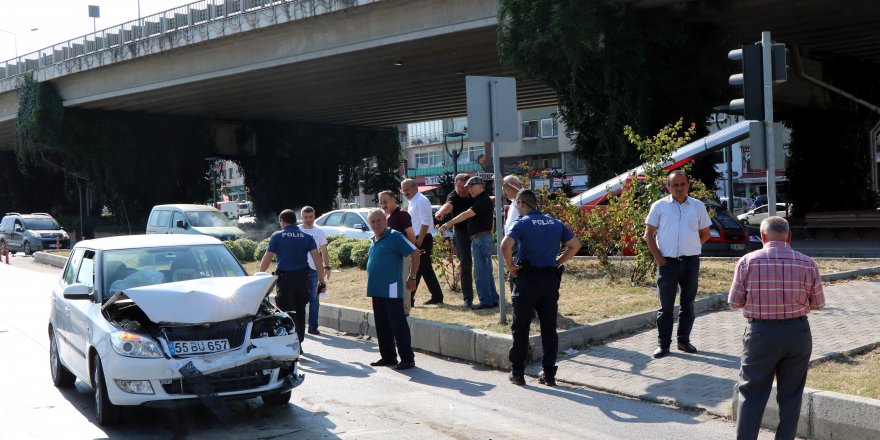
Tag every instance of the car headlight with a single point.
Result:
(36, 234)
(134, 345)
(64, 235)
(714, 234)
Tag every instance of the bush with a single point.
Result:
(359, 254)
(249, 248)
(236, 249)
(261, 249)
(340, 250)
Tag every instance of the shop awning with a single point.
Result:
(426, 188)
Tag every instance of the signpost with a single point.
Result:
(491, 109)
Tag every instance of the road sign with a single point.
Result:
(480, 107)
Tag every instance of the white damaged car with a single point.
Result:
(157, 320)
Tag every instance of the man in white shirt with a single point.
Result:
(419, 209)
(308, 226)
(511, 186)
(675, 230)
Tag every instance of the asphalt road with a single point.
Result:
(342, 396)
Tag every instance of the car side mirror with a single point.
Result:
(77, 291)
(182, 224)
(18, 228)
(360, 226)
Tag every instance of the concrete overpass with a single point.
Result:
(355, 62)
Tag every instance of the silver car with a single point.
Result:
(351, 223)
(157, 320)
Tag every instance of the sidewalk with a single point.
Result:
(706, 380)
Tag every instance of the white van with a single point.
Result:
(245, 208)
(192, 219)
(229, 209)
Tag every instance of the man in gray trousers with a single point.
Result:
(776, 287)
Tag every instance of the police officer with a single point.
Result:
(291, 246)
(538, 271)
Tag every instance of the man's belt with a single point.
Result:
(480, 234)
(682, 257)
(799, 318)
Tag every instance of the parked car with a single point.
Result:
(192, 219)
(351, 223)
(31, 232)
(727, 236)
(168, 319)
(755, 216)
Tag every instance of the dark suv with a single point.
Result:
(31, 232)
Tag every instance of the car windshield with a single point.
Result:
(206, 218)
(42, 224)
(727, 221)
(126, 268)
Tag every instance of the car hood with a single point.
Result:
(201, 300)
(219, 231)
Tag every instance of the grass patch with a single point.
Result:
(586, 294)
(855, 375)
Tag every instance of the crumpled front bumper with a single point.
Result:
(260, 366)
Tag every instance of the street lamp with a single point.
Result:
(454, 153)
(214, 173)
(15, 37)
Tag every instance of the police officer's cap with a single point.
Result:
(476, 180)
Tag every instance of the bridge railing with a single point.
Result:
(170, 21)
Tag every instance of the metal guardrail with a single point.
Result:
(170, 21)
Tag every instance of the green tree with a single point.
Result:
(614, 65)
(623, 219)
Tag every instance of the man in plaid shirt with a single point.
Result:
(776, 287)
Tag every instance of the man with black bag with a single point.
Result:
(538, 272)
(291, 246)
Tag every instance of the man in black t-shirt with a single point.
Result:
(459, 201)
(479, 228)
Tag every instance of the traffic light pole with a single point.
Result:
(769, 139)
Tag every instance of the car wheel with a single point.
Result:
(61, 376)
(27, 248)
(106, 412)
(279, 399)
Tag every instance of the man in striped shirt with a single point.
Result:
(776, 287)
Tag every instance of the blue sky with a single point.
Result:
(61, 20)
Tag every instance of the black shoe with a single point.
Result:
(550, 381)
(384, 363)
(468, 304)
(660, 352)
(405, 365)
(687, 347)
(485, 306)
(517, 378)
(313, 331)
(431, 302)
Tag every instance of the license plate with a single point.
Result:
(198, 347)
(54, 246)
(738, 247)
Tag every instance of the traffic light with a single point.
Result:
(752, 78)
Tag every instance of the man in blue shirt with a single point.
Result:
(291, 246)
(384, 273)
(538, 272)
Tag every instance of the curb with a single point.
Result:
(50, 259)
(827, 415)
(490, 348)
